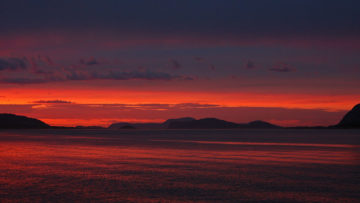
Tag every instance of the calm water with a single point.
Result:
(180, 166)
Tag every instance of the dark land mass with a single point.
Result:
(205, 123)
(170, 122)
(89, 127)
(192, 123)
(351, 119)
(214, 123)
(308, 127)
(164, 125)
(259, 124)
(136, 125)
(128, 127)
(11, 121)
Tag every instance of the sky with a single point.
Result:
(91, 62)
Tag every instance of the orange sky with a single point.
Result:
(98, 106)
(328, 102)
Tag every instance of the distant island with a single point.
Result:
(192, 123)
(11, 121)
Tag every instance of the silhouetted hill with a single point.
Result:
(11, 121)
(168, 122)
(205, 123)
(136, 125)
(128, 127)
(88, 127)
(192, 123)
(214, 123)
(261, 125)
(351, 119)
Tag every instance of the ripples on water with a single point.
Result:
(184, 165)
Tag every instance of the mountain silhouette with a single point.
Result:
(169, 122)
(11, 121)
(136, 125)
(128, 127)
(261, 124)
(192, 123)
(88, 127)
(214, 123)
(205, 123)
(163, 125)
(351, 119)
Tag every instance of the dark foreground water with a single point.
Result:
(180, 166)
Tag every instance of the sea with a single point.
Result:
(281, 165)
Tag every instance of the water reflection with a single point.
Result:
(100, 166)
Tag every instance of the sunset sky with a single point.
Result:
(97, 62)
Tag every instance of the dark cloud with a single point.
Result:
(250, 65)
(74, 74)
(91, 61)
(33, 62)
(283, 67)
(22, 80)
(175, 64)
(236, 18)
(23, 63)
(44, 70)
(52, 102)
(204, 61)
(146, 75)
(13, 63)
(38, 62)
